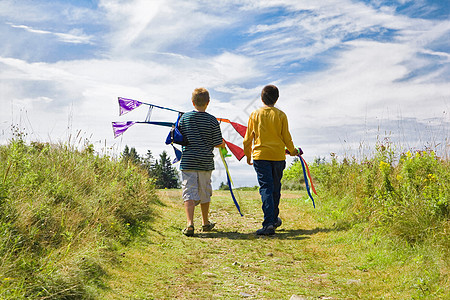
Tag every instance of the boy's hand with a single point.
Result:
(297, 151)
(249, 160)
(221, 145)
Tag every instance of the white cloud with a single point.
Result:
(364, 80)
(75, 36)
(141, 27)
(130, 19)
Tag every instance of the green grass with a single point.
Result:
(63, 213)
(309, 256)
(75, 225)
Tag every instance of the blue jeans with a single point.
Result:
(269, 178)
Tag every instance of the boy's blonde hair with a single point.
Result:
(200, 97)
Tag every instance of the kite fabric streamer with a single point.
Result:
(306, 175)
(237, 151)
(309, 176)
(241, 129)
(306, 180)
(120, 127)
(127, 105)
(223, 154)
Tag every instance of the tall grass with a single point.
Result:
(62, 214)
(403, 197)
(407, 194)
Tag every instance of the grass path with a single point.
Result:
(308, 257)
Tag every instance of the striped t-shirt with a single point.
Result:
(202, 131)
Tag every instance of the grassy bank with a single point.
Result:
(403, 195)
(63, 214)
(398, 200)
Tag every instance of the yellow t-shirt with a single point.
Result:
(268, 132)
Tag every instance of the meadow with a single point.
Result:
(78, 225)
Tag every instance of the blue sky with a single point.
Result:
(349, 72)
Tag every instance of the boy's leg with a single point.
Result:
(277, 173)
(189, 207)
(263, 170)
(205, 213)
(190, 194)
(205, 193)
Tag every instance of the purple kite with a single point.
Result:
(121, 127)
(127, 105)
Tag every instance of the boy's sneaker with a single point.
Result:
(278, 223)
(267, 230)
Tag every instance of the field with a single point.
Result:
(75, 225)
(309, 256)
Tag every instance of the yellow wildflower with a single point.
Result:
(384, 165)
(431, 177)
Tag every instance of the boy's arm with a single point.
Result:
(288, 138)
(221, 145)
(218, 140)
(248, 141)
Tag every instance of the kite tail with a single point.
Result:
(309, 176)
(230, 183)
(232, 195)
(236, 150)
(305, 167)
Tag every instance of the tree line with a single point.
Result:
(161, 170)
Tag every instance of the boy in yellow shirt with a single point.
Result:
(265, 141)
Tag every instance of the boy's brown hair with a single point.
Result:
(270, 94)
(200, 97)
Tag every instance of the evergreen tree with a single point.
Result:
(164, 174)
(148, 163)
(131, 155)
(126, 152)
(223, 186)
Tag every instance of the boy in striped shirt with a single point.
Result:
(202, 131)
